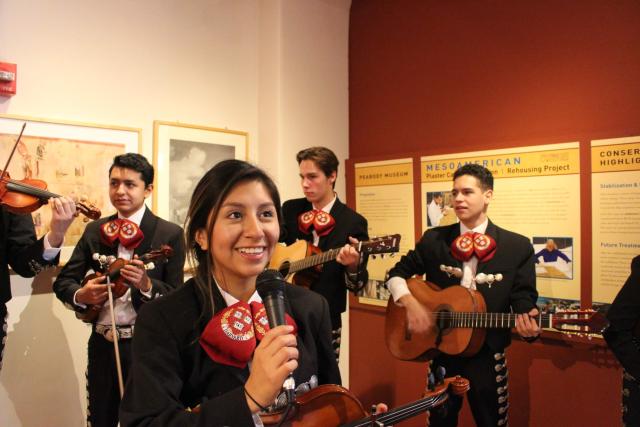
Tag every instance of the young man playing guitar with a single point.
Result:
(130, 233)
(492, 250)
(322, 219)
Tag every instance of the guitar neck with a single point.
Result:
(402, 412)
(313, 260)
(457, 319)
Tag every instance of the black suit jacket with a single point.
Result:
(514, 258)
(171, 372)
(164, 277)
(331, 282)
(624, 318)
(19, 249)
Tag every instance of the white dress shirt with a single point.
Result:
(398, 285)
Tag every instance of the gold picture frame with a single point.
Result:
(73, 158)
(182, 154)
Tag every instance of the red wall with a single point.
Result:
(429, 77)
(443, 75)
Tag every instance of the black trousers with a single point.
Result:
(488, 396)
(3, 332)
(103, 393)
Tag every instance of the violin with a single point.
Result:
(331, 405)
(120, 285)
(27, 195)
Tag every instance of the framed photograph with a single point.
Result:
(73, 159)
(182, 154)
(554, 256)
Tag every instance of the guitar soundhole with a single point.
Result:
(284, 268)
(443, 321)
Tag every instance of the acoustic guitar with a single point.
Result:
(461, 322)
(296, 262)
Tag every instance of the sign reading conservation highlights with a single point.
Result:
(536, 194)
(384, 195)
(615, 189)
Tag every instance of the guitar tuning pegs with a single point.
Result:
(149, 266)
(96, 256)
(451, 271)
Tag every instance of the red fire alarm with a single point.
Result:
(8, 79)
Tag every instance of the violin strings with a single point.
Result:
(27, 189)
(411, 411)
(403, 412)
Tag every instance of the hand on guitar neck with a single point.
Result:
(526, 324)
(349, 256)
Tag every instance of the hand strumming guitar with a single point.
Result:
(419, 320)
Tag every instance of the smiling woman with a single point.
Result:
(199, 346)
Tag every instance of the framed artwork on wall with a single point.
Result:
(73, 158)
(182, 154)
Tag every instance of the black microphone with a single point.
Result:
(270, 286)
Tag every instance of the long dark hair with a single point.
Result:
(206, 200)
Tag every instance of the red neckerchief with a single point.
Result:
(121, 230)
(321, 221)
(232, 334)
(471, 243)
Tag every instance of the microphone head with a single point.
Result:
(269, 282)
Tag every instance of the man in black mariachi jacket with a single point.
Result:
(131, 233)
(502, 269)
(323, 220)
(27, 255)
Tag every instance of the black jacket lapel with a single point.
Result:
(148, 227)
(492, 231)
(325, 242)
(104, 248)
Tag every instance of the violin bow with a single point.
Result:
(4, 171)
(116, 337)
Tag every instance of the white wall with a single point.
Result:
(274, 68)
